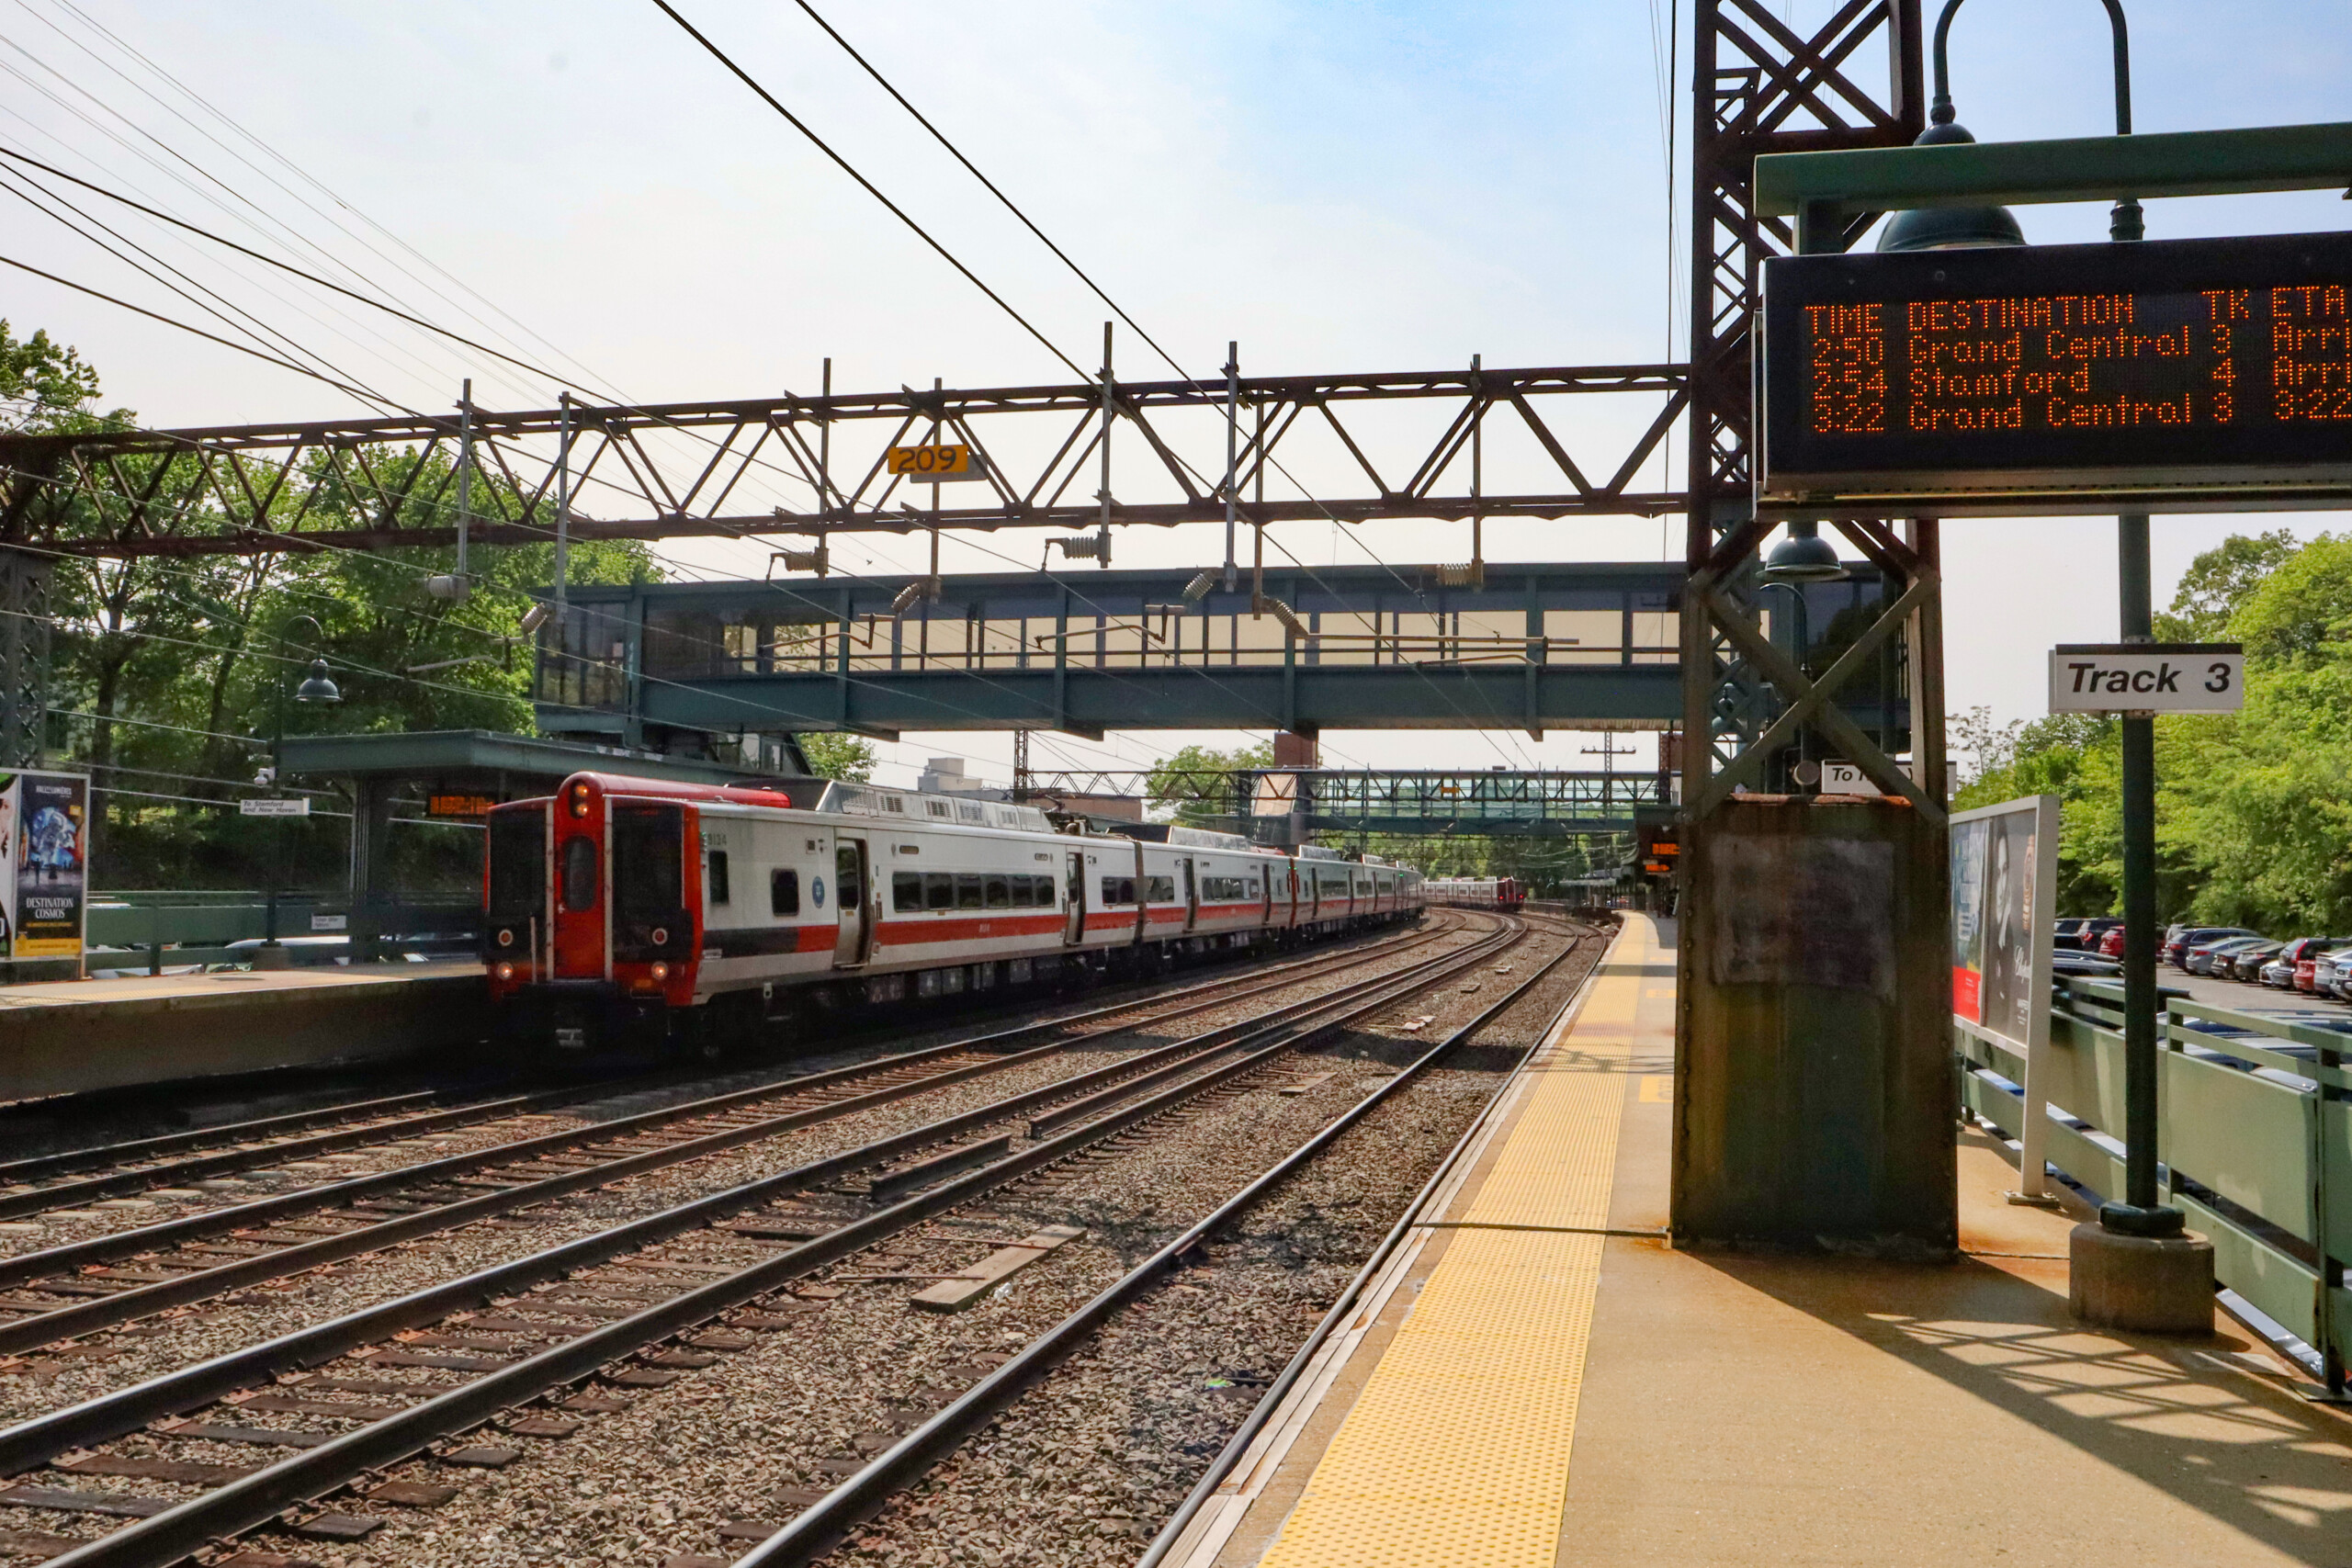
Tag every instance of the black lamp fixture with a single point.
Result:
(1947, 228)
(318, 687)
(1804, 557)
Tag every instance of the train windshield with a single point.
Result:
(648, 862)
(519, 864)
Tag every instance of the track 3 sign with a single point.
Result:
(2147, 677)
(2053, 377)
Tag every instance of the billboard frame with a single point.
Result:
(2041, 910)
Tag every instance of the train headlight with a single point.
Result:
(660, 936)
(661, 972)
(507, 938)
(505, 972)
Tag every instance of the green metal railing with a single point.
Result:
(2254, 1139)
(160, 930)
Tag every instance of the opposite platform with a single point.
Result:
(1537, 1380)
(71, 1036)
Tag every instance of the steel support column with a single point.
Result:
(1813, 1092)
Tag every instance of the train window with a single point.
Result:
(715, 878)
(971, 813)
(1022, 896)
(938, 808)
(999, 896)
(1044, 887)
(968, 894)
(906, 891)
(784, 892)
(648, 864)
(518, 864)
(1118, 890)
(1163, 890)
(578, 873)
(938, 890)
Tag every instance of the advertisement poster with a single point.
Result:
(1968, 918)
(2006, 1000)
(44, 871)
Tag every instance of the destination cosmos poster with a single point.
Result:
(44, 866)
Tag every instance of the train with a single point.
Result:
(1475, 892)
(620, 908)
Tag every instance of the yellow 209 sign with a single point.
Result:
(935, 464)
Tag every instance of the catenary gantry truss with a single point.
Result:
(1388, 446)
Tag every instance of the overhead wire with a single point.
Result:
(1264, 456)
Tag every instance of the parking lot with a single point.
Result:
(2244, 994)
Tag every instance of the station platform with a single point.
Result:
(1536, 1380)
(73, 1036)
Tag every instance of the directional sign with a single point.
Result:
(1844, 778)
(2147, 677)
(256, 806)
(935, 464)
(2061, 378)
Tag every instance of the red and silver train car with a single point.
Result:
(620, 904)
(1475, 892)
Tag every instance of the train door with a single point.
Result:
(855, 936)
(1191, 896)
(1266, 876)
(1074, 879)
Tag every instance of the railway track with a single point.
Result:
(623, 1309)
(61, 1292)
(44, 1184)
(860, 1497)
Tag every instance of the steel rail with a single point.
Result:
(259, 1498)
(85, 1316)
(41, 1167)
(854, 1500)
(14, 1270)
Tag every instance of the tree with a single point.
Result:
(2219, 580)
(1190, 786)
(45, 385)
(849, 758)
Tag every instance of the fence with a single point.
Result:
(2254, 1139)
(178, 930)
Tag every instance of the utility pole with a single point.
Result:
(1609, 752)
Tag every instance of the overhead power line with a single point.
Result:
(868, 186)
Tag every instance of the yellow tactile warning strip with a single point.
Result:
(1457, 1449)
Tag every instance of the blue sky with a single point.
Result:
(1338, 186)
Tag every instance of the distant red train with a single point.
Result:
(1475, 892)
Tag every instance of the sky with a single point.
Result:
(1338, 187)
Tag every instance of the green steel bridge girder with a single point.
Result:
(1086, 701)
(1535, 647)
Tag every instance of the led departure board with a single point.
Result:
(2173, 374)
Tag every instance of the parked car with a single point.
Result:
(2279, 971)
(2247, 963)
(2307, 970)
(2110, 944)
(2068, 964)
(2092, 929)
(2331, 975)
(2207, 957)
(2176, 949)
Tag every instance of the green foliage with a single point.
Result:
(45, 385)
(2253, 811)
(1176, 794)
(849, 758)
